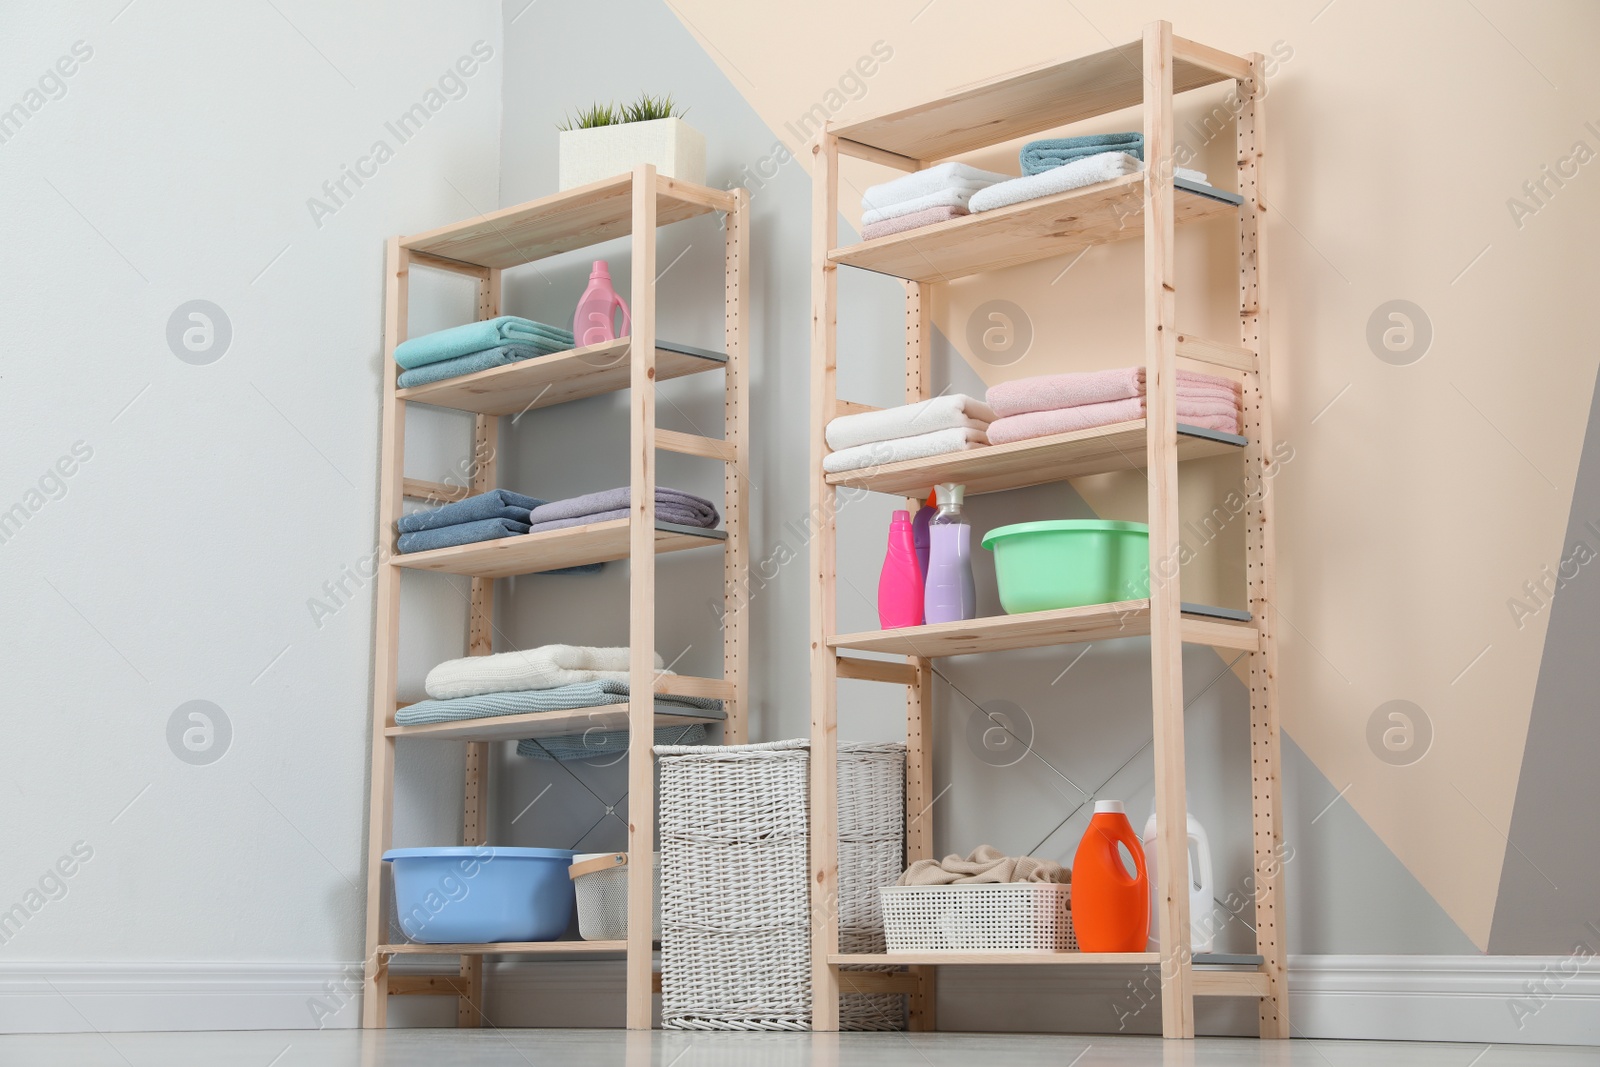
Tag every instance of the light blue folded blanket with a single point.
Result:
(597, 744)
(476, 337)
(1038, 156)
(473, 362)
(461, 533)
(561, 698)
(495, 504)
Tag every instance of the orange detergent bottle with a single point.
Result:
(1110, 907)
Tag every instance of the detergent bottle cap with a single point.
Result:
(601, 269)
(950, 493)
(1112, 806)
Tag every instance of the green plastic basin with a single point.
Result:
(1068, 563)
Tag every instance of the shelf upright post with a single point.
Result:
(386, 634)
(736, 471)
(480, 642)
(642, 604)
(1260, 557)
(824, 662)
(1166, 634)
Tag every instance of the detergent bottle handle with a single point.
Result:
(627, 321)
(1205, 859)
(1135, 848)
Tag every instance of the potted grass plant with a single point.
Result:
(604, 140)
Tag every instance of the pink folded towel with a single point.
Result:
(917, 219)
(1206, 412)
(1096, 387)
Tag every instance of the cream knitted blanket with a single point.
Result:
(545, 667)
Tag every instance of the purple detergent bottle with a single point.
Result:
(948, 594)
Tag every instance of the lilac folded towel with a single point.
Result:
(1206, 412)
(915, 220)
(1096, 387)
(672, 505)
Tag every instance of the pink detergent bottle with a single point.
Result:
(594, 322)
(900, 581)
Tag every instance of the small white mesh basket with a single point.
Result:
(975, 916)
(603, 897)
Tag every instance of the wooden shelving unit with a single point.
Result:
(1148, 206)
(629, 205)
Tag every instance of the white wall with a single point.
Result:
(208, 504)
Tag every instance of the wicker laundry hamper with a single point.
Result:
(735, 887)
(872, 821)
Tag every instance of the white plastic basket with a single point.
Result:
(977, 916)
(601, 882)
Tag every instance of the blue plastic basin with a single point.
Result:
(474, 894)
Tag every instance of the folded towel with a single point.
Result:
(1205, 412)
(462, 533)
(931, 180)
(686, 509)
(473, 362)
(1051, 152)
(986, 865)
(1089, 170)
(878, 453)
(564, 698)
(495, 504)
(1048, 391)
(476, 337)
(596, 744)
(665, 512)
(916, 220)
(545, 667)
(951, 411)
(938, 198)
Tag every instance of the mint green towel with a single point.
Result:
(477, 336)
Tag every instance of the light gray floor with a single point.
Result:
(583, 1048)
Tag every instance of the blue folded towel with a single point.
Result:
(495, 504)
(1040, 156)
(476, 337)
(561, 698)
(462, 533)
(473, 362)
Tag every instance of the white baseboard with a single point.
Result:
(1491, 999)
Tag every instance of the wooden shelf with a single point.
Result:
(549, 550)
(507, 947)
(958, 956)
(1015, 105)
(547, 724)
(558, 378)
(1039, 461)
(588, 215)
(1039, 629)
(1021, 233)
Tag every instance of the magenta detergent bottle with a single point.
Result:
(595, 321)
(900, 581)
(949, 595)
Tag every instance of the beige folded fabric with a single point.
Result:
(986, 864)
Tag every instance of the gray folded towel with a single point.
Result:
(672, 505)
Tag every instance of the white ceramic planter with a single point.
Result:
(672, 146)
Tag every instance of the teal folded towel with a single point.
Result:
(1040, 156)
(471, 363)
(478, 336)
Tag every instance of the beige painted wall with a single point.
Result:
(1420, 498)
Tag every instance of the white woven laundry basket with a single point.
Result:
(1004, 915)
(600, 880)
(735, 887)
(872, 824)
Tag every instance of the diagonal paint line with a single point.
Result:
(708, 42)
(1336, 798)
(268, 267)
(96, 629)
(1503, 437)
(121, 411)
(1474, 662)
(1515, 49)
(303, 437)
(1469, 266)
(1503, 837)
(269, 666)
(1330, 403)
(534, 801)
(95, 228)
(308, 41)
(131, 803)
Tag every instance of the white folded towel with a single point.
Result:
(932, 180)
(1090, 170)
(876, 454)
(951, 411)
(545, 667)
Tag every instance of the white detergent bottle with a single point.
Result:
(1202, 922)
